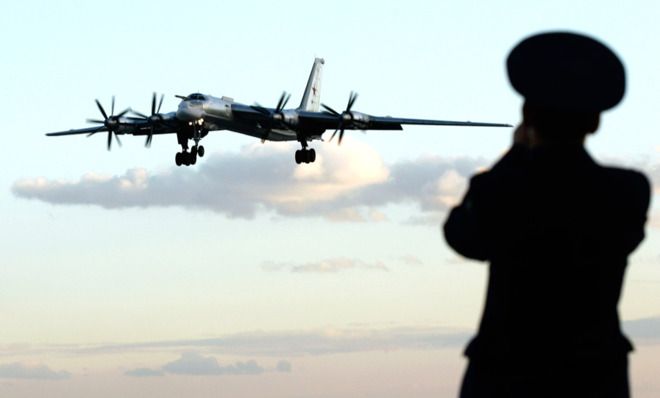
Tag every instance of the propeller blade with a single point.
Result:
(105, 116)
(95, 121)
(147, 143)
(117, 138)
(125, 111)
(333, 135)
(160, 103)
(109, 140)
(327, 108)
(139, 114)
(351, 100)
(341, 136)
(280, 101)
(112, 110)
(153, 104)
(285, 101)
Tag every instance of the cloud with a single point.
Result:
(336, 265)
(192, 363)
(345, 184)
(144, 372)
(18, 370)
(410, 259)
(283, 367)
(644, 330)
(332, 265)
(328, 342)
(294, 343)
(278, 344)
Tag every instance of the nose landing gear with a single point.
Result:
(190, 158)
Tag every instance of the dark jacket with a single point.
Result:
(557, 229)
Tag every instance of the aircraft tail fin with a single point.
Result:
(311, 100)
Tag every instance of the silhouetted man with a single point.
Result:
(557, 229)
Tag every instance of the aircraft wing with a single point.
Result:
(132, 126)
(385, 120)
(368, 122)
(247, 112)
(88, 130)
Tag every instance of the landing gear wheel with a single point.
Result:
(193, 151)
(185, 158)
(305, 156)
(193, 158)
(200, 151)
(178, 158)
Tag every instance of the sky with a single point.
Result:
(246, 274)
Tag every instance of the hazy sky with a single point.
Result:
(247, 275)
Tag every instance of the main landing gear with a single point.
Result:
(189, 158)
(305, 155)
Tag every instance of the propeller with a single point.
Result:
(155, 117)
(111, 122)
(275, 115)
(346, 117)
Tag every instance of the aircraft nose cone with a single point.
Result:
(188, 113)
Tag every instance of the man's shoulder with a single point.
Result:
(625, 178)
(625, 185)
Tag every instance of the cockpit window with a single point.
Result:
(196, 96)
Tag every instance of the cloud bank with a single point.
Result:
(644, 330)
(328, 266)
(345, 184)
(194, 364)
(18, 370)
(338, 341)
(284, 367)
(145, 372)
(299, 343)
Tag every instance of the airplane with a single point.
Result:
(198, 114)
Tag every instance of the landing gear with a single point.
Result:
(197, 150)
(305, 155)
(186, 158)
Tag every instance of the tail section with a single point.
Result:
(312, 98)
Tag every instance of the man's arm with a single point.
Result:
(639, 191)
(465, 228)
(463, 231)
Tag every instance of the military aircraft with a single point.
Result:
(198, 114)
